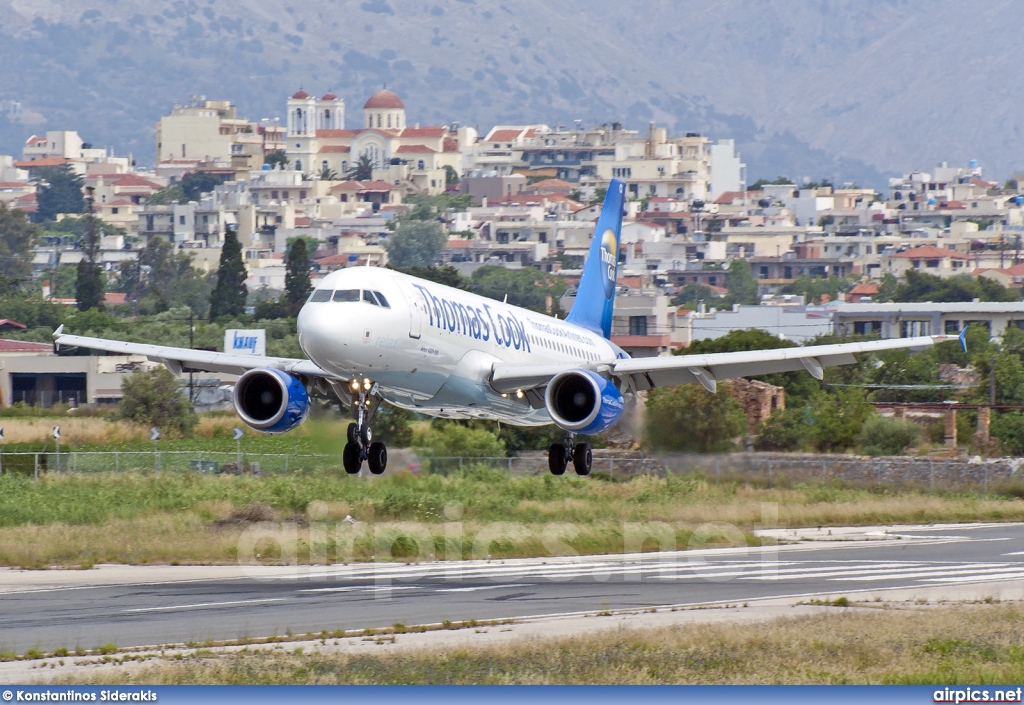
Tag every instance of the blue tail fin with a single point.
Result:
(595, 298)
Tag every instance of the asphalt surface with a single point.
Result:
(304, 600)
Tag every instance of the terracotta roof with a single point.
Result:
(418, 148)
(424, 132)
(458, 244)
(335, 148)
(328, 134)
(720, 290)
(119, 202)
(729, 196)
(301, 222)
(451, 144)
(347, 186)
(300, 94)
(929, 252)
(503, 136)
(36, 163)
(864, 290)
(13, 184)
(131, 180)
(35, 139)
(1016, 270)
(23, 346)
(364, 186)
(114, 298)
(384, 100)
(329, 96)
(550, 186)
(11, 324)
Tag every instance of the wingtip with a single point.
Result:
(56, 333)
(963, 338)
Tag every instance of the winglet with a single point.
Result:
(56, 334)
(963, 338)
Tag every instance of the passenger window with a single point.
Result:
(346, 295)
(381, 299)
(320, 295)
(368, 298)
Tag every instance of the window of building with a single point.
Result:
(638, 325)
(114, 210)
(273, 194)
(302, 195)
(421, 164)
(952, 327)
(763, 272)
(181, 220)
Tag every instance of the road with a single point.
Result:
(184, 606)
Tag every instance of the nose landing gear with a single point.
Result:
(360, 447)
(560, 454)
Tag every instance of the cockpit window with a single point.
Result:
(320, 295)
(346, 295)
(382, 300)
(369, 298)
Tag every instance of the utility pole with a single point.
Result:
(191, 346)
(992, 382)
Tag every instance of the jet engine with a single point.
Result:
(582, 401)
(270, 400)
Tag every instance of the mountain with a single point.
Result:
(844, 89)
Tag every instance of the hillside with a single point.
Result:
(811, 89)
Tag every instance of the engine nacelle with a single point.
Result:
(270, 400)
(583, 401)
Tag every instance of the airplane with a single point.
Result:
(375, 335)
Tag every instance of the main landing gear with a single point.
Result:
(365, 402)
(560, 454)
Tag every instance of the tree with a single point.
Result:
(17, 235)
(920, 286)
(328, 174)
(416, 244)
(195, 183)
(447, 275)
(528, 287)
(451, 177)
(887, 288)
(882, 435)
(692, 294)
(228, 297)
(154, 398)
(687, 417)
(813, 288)
(742, 287)
(362, 170)
(58, 190)
(277, 158)
(89, 282)
(296, 278)
(778, 181)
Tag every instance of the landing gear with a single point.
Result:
(365, 402)
(559, 455)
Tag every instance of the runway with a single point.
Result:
(48, 609)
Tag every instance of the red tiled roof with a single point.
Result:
(329, 96)
(119, 180)
(114, 298)
(120, 202)
(329, 134)
(13, 184)
(347, 186)
(424, 132)
(458, 244)
(7, 346)
(1016, 270)
(383, 100)
(451, 144)
(11, 324)
(36, 163)
(364, 186)
(335, 148)
(864, 290)
(415, 148)
(503, 136)
(929, 252)
(35, 139)
(729, 196)
(300, 95)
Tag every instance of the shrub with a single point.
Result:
(154, 398)
(1008, 427)
(784, 430)
(452, 439)
(881, 435)
(690, 418)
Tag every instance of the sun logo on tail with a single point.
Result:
(609, 256)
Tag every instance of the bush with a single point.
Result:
(690, 418)
(1008, 427)
(881, 435)
(452, 439)
(154, 398)
(784, 430)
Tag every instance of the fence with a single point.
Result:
(924, 472)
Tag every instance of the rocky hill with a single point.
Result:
(843, 88)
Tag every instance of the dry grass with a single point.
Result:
(978, 644)
(92, 430)
(72, 520)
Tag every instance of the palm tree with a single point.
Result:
(329, 174)
(363, 170)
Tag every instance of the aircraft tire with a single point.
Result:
(557, 460)
(582, 458)
(353, 433)
(351, 460)
(377, 458)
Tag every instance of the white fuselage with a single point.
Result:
(431, 348)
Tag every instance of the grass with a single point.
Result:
(978, 644)
(80, 520)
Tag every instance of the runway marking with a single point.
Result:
(203, 605)
(1015, 553)
(364, 588)
(977, 579)
(485, 587)
(953, 570)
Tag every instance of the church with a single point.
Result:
(412, 157)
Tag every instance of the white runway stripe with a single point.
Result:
(204, 605)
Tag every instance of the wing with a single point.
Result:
(184, 359)
(648, 372)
